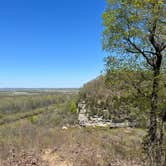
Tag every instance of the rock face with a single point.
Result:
(82, 116)
(85, 120)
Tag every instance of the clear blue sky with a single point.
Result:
(50, 43)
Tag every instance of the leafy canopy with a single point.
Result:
(135, 27)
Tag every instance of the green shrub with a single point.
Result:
(73, 107)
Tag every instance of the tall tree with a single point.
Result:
(135, 31)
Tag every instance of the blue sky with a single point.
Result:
(50, 43)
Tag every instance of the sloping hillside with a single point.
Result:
(120, 96)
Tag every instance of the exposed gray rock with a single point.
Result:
(85, 120)
(91, 121)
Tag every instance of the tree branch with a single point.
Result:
(140, 51)
(149, 52)
(163, 48)
(131, 51)
(152, 36)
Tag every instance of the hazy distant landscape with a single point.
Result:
(37, 90)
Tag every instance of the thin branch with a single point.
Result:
(149, 52)
(131, 51)
(163, 48)
(140, 51)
